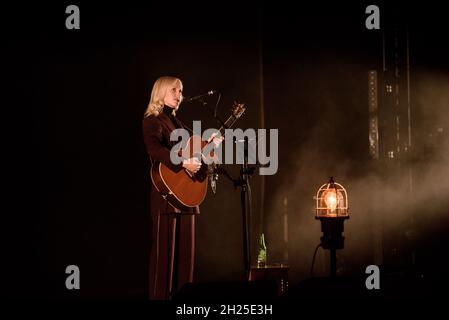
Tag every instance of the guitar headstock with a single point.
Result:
(238, 109)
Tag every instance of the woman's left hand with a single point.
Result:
(216, 140)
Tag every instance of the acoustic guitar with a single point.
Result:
(184, 189)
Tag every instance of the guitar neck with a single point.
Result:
(227, 124)
(237, 112)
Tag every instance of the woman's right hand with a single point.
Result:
(192, 165)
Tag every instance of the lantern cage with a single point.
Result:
(331, 201)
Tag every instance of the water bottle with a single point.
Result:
(262, 257)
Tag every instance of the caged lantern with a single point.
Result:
(332, 210)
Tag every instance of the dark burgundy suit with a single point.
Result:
(168, 272)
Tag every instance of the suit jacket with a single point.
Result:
(156, 132)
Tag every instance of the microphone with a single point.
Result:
(199, 97)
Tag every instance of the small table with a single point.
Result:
(277, 272)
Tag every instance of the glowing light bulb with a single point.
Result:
(331, 200)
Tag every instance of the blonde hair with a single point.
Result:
(160, 87)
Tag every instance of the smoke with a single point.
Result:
(396, 211)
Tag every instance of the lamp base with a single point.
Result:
(332, 229)
(332, 239)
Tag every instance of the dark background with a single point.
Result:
(80, 191)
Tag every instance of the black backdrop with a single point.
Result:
(82, 170)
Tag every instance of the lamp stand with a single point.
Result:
(332, 239)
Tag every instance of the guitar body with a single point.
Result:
(182, 189)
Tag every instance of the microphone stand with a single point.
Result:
(246, 201)
(245, 198)
(245, 195)
(214, 111)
